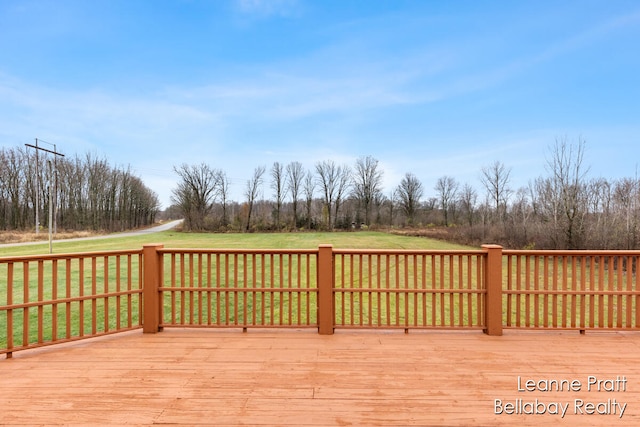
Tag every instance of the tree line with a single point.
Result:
(563, 208)
(86, 193)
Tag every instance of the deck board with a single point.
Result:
(300, 378)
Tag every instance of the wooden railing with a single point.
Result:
(578, 290)
(57, 298)
(238, 288)
(323, 288)
(409, 289)
(49, 299)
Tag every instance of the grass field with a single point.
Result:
(173, 239)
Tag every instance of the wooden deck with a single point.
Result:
(300, 378)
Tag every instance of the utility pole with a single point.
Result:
(37, 191)
(55, 153)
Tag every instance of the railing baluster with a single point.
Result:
(25, 299)
(105, 300)
(636, 288)
(610, 283)
(54, 296)
(198, 275)
(281, 283)
(405, 286)
(118, 296)
(619, 287)
(299, 286)
(360, 292)
(601, 275)
(209, 293)
(10, 266)
(40, 310)
(628, 299)
(262, 295)
(68, 306)
(583, 297)
(460, 294)
(592, 286)
(130, 287)
(245, 285)
(351, 293)
(236, 310)
(254, 268)
(434, 288)
(573, 296)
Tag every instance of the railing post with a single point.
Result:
(325, 290)
(150, 291)
(493, 283)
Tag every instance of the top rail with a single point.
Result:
(559, 253)
(70, 255)
(237, 251)
(460, 252)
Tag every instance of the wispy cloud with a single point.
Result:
(580, 39)
(89, 119)
(321, 83)
(268, 8)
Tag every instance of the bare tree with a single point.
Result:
(195, 193)
(143, 203)
(309, 190)
(409, 193)
(447, 189)
(223, 191)
(390, 202)
(252, 191)
(295, 175)
(278, 186)
(547, 207)
(13, 166)
(468, 199)
(73, 205)
(625, 196)
(334, 181)
(379, 202)
(367, 184)
(521, 213)
(601, 201)
(567, 181)
(344, 182)
(495, 179)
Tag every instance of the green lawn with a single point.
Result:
(173, 239)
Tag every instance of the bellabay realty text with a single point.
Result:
(574, 406)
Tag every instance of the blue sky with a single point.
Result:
(433, 88)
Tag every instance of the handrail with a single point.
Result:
(70, 255)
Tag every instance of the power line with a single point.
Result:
(44, 149)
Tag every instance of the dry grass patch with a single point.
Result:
(31, 236)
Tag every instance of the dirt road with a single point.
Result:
(156, 229)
